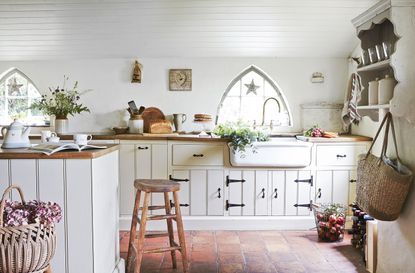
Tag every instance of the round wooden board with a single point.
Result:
(149, 114)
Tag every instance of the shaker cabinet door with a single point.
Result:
(277, 192)
(341, 187)
(324, 187)
(261, 193)
(143, 161)
(198, 192)
(215, 192)
(127, 176)
(304, 191)
(184, 177)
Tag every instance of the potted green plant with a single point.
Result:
(61, 103)
(240, 134)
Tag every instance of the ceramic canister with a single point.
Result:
(385, 89)
(373, 92)
(136, 124)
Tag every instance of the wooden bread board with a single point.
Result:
(150, 114)
(161, 135)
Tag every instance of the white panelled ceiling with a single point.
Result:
(59, 29)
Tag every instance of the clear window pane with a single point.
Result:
(18, 108)
(2, 107)
(33, 93)
(2, 89)
(235, 91)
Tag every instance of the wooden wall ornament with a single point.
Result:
(137, 73)
(180, 79)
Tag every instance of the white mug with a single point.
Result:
(45, 135)
(82, 139)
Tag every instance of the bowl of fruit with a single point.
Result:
(330, 221)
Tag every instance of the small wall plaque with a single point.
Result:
(180, 79)
(137, 73)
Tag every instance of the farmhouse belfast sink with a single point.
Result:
(280, 152)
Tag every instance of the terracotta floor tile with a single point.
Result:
(231, 258)
(260, 268)
(232, 268)
(229, 248)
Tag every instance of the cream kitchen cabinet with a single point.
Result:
(140, 160)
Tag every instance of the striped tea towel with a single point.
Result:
(352, 98)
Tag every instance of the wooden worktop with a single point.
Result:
(342, 138)
(25, 153)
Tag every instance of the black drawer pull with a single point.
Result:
(353, 180)
(263, 193)
(142, 148)
(309, 205)
(229, 180)
(198, 155)
(341, 156)
(318, 194)
(181, 205)
(229, 205)
(219, 196)
(310, 181)
(178, 180)
(275, 193)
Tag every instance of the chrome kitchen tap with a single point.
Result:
(263, 110)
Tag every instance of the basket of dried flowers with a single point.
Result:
(27, 234)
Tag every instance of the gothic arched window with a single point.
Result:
(254, 98)
(17, 92)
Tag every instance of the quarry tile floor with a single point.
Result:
(254, 252)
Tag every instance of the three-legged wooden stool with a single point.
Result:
(136, 251)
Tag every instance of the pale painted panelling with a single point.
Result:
(239, 28)
(79, 217)
(24, 174)
(105, 216)
(4, 175)
(52, 187)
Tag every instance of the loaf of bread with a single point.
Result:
(160, 127)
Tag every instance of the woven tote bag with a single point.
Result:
(25, 249)
(382, 183)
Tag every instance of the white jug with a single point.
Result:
(385, 88)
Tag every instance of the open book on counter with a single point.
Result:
(51, 148)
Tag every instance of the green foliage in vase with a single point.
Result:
(240, 134)
(61, 102)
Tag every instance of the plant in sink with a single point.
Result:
(240, 134)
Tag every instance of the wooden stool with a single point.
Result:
(135, 252)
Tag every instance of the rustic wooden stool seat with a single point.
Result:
(136, 250)
(156, 185)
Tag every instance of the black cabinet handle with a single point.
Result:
(310, 181)
(219, 196)
(309, 205)
(341, 156)
(263, 193)
(198, 155)
(181, 205)
(318, 194)
(229, 205)
(353, 180)
(275, 193)
(142, 148)
(178, 180)
(229, 180)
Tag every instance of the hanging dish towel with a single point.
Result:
(352, 98)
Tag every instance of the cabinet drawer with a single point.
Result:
(346, 155)
(197, 155)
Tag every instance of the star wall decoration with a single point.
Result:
(14, 87)
(252, 87)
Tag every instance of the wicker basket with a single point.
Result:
(25, 249)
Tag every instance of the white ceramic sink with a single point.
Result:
(277, 152)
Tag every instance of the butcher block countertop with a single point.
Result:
(25, 153)
(342, 138)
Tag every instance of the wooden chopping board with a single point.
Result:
(149, 114)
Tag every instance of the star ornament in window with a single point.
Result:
(252, 87)
(14, 87)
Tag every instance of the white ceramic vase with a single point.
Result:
(61, 126)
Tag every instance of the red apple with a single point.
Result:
(340, 220)
(333, 230)
(332, 219)
(319, 216)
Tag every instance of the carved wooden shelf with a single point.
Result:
(375, 67)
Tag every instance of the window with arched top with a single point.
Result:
(17, 93)
(254, 98)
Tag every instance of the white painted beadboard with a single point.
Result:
(88, 192)
(164, 28)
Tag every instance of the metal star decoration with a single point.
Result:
(14, 87)
(251, 87)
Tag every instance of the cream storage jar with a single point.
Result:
(385, 89)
